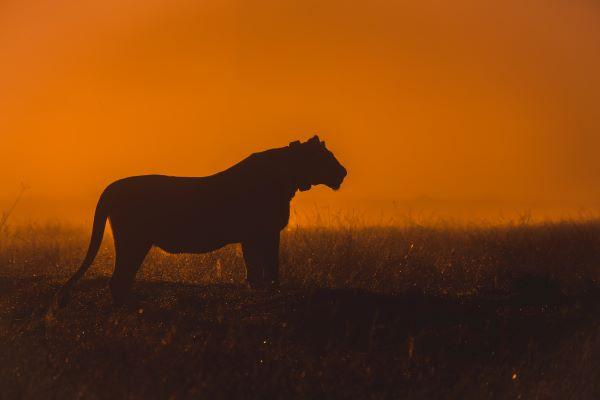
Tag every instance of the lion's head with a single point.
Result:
(316, 165)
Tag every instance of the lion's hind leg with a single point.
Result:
(128, 260)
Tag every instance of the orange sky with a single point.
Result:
(454, 103)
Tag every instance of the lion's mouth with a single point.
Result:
(337, 184)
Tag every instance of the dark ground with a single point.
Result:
(226, 341)
(415, 312)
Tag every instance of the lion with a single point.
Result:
(248, 203)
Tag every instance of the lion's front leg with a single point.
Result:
(271, 265)
(261, 255)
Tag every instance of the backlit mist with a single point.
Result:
(464, 108)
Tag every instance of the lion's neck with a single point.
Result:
(268, 171)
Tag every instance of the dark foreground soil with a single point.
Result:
(226, 341)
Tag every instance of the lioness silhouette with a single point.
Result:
(248, 203)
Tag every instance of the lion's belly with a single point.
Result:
(204, 234)
(197, 232)
(188, 245)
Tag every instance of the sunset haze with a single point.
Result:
(459, 106)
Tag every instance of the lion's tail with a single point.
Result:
(100, 217)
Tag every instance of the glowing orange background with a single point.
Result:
(471, 103)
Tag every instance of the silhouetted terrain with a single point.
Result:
(413, 312)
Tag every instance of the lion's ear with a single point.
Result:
(314, 140)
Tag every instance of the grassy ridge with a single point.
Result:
(444, 260)
(363, 312)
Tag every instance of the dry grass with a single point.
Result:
(449, 261)
(411, 311)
